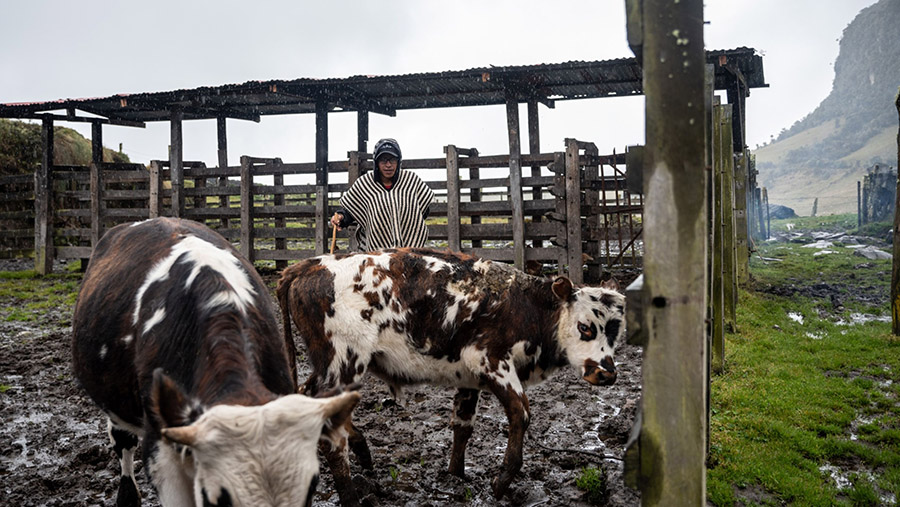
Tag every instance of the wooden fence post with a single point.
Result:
(475, 195)
(222, 155)
(278, 201)
(176, 163)
(741, 223)
(96, 203)
(594, 201)
(558, 166)
(354, 171)
(155, 199)
(729, 247)
(573, 212)
(453, 241)
(247, 229)
(672, 436)
(43, 203)
(720, 142)
(895, 263)
(515, 181)
(322, 216)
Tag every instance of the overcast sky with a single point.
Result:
(63, 49)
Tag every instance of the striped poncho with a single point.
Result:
(389, 218)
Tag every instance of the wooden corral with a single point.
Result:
(524, 224)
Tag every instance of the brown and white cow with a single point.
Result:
(426, 316)
(175, 337)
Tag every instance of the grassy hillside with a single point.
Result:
(807, 412)
(20, 147)
(797, 183)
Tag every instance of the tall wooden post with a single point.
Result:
(96, 203)
(741, 224)
(362, 130)
(322, 216)
(515, 180)
(155, 200)
(573, 212)
(354, 170)
(176, 162)
(720, 143)
(729, 244)
(453, 241)
(534, 148)
(475, 194)
(97, 142)
(895, 269)
(558, 166)
(672, 438)
(247, 226)
(222, 153)
(43, 203)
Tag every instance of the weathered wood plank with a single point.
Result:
(453, 238)
(176, 162)
(43, 209)
(247, 226)
(515, 180)
(573, 212)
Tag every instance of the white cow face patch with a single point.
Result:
(591, 326)
(261, 455)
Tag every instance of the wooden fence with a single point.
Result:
(574, 207)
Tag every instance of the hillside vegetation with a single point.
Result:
(20, 148)
(824, 154)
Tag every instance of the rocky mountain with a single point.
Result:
(824, 154)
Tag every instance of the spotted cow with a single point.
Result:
(426, 316)
(175, 337)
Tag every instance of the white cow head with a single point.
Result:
(263, 455)
(591, 325)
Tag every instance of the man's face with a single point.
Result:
(387, 165)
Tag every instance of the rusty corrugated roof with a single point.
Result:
(388, 94)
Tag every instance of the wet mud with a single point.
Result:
(54, 450)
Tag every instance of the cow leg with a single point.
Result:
(337, 456)
(360, 447)
(465, 403)
(124, 444)
(166, 468)
(517, 412)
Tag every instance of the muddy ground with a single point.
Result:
(54, 449)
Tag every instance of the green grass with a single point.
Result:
(798, 397)
(593, 482)
(26, 296)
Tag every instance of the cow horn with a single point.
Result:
(184, 435)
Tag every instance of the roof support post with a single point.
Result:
(43, 203)
(534, 147)
(97, 142)
(321, 176)
(222, 152)
(515, 180)
(362, 130)
(670, 467)
(176, 162)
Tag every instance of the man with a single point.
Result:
(389, 205)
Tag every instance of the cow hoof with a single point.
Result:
(128, 495)
(499, 488)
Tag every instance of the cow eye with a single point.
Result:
(584, 329)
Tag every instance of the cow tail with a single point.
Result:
(282, 291)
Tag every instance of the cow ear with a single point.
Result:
(337, 410)
(562, 288)
(168, 402)
(611, 284)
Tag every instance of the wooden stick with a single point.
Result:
(333, 238)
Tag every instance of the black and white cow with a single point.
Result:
(438, 317)
(175, 337)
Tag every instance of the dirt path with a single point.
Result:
(54, 449)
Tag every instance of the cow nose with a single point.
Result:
(603, 374)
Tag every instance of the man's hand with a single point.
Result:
(336, 220)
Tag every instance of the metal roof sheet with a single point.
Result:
(388, 94)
